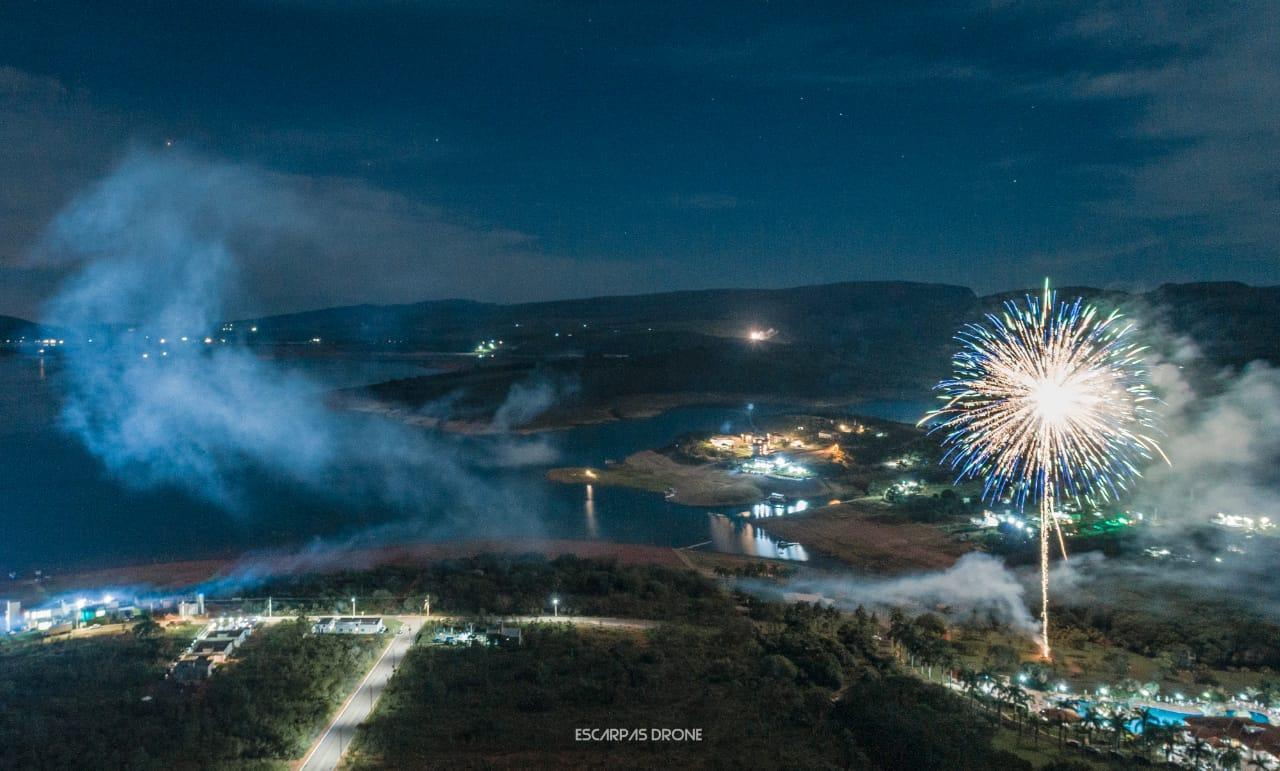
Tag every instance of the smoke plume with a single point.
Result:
(163, 402)
(975, 583)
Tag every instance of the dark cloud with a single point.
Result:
(302, 242)
(419, 150)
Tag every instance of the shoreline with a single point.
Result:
(705, 485)
(623, 408)
(187, 574)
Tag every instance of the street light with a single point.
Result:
(353, 606)
(555, 606)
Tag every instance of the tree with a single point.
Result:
(1119, 724)
(1164, 736)
(1059, 722)
(1145, 724)
(1230, 758)
(1198, 750)
(899, 628)
(1092, 721)
(969, 680)
(147, 628)
(1117, 664)
(1002, 658)
(1037, 722)
(1018, 699)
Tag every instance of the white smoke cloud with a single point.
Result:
(1223, 444)
(529, 399)
(977, 582)
(155, 243)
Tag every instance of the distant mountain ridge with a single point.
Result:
(1232, 321)
(823, 343)
(12, 327)
(909, 324)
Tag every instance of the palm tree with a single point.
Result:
(1059, 722)
(1155, 734)
(1018, 699)
(997, 698)
(1092, 721)
(1198, 749)
(1119, 723)
(1037, 722)
(969, 682)
(1145, 724)
(1230, 758)
(986, 677)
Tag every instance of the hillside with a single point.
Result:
(833, 343)
(633, 354)
(827, 343)
(12, 327)
(14, 330)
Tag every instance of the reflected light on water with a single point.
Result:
(745, 538)
(767, 509)
(589, 508)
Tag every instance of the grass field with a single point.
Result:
(858, 534)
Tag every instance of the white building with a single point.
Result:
(12, 616)
(349, 625)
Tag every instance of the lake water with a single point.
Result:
(59, 507)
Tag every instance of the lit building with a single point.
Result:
(349, 625)
(12, 615)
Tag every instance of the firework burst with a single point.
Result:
(1048, 401)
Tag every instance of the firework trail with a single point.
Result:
(1048, 401)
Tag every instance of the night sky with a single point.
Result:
(402, 151)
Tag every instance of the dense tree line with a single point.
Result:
(79, 703)
(103, 702)
(1201, 635)
(506, 585)
(768, 684)
(783, 686)
(272, 703)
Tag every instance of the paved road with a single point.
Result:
(326, 752)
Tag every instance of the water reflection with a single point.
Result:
(774, 509)
(104, 521)
(589, 508)
(743, 537)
